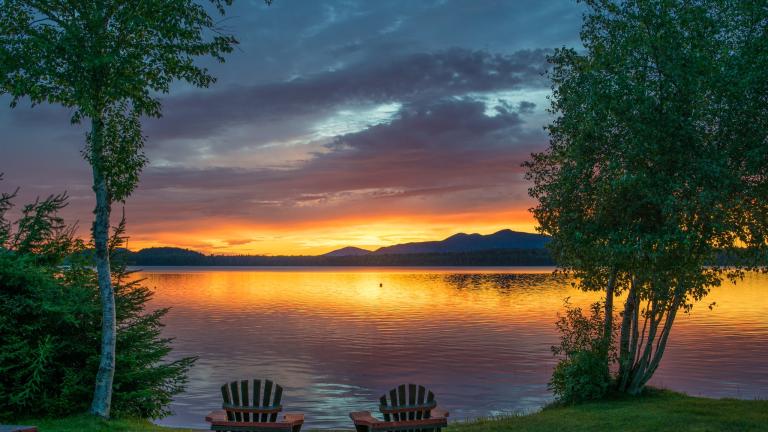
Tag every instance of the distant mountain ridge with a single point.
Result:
(347, 251)
(502, 248)
(504, 239)
(457, 243)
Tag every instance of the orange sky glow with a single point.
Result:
(332, 134)
(318, 237)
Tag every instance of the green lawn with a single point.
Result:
(86, 423)
(658, 412)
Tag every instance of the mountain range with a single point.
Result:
(503, 248)
(461, 242)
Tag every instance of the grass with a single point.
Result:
(87, 423)
(658, 411)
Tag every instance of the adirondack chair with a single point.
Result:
(253, 413)
(410, 407)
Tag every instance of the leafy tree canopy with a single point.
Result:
(85, 55)
(658, 159)
(659, 150)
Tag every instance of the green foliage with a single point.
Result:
(119, 151)
(657, 160)
(6, 203)
(89, 55)
(581, 375)
(642, 173)
(580, 378)
(49, 319)
(108, 61)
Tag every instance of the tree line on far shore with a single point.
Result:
(494, 257)
(168, 256)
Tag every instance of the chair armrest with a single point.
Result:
(437, 412)
(363, 418)
(294, 418)
(216, 416)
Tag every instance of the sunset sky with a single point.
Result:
(335, 123)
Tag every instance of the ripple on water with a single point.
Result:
(335, 339)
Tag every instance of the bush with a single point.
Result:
(582, 373)
(50, 322)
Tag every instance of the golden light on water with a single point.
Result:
(374, 292)
(480, 338)
(388, 291)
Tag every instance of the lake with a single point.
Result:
(337, 338)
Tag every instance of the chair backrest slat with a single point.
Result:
(276, 401)
(420, 401)
(402, 400)
(393, 400)
(244, 399)
(256, 397)
(235, 392)
(267, 396)
(411, 400)
(227, 401)
(430, 399)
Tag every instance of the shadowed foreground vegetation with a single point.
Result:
(659, 411)
(88, 423)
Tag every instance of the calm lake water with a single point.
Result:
(337, 338)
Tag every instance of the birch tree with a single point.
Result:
(657, 164)
(107, 60)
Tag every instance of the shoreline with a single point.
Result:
(656, 410)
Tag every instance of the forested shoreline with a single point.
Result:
(496, 257)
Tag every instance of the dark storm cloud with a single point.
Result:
(279, 110)
(425, 141)
(449, 143)
(416, 76)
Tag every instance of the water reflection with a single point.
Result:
(479, 338)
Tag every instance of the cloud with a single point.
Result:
(334, 109)
(434, 155)
(425, 133)
(238, 242)
(408, 78)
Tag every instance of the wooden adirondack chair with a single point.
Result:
(257, 412)
(410, 407)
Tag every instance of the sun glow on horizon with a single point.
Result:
(241, 237)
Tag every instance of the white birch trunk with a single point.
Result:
(102, 395)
